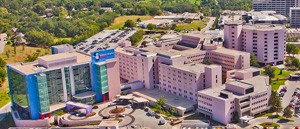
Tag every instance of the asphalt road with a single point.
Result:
(208, 25)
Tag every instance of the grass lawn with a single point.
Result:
(280, 118)
(58, 112)
(60, 39)
(120, 21)
(166, 113)
(193, 26)
(4, 95)
(269, 124)
(276, 84)
(10, 58)
(284, 74)
(21, 54)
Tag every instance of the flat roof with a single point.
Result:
(247, 70)
(172, 100)
(230, 51)
(156, 21)
(259, 83)
(34, 67)
(264, 27)
(193, 67)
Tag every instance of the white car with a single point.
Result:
(127, 106)
(112, 104)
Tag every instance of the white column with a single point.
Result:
(72, 80)
(64, 84)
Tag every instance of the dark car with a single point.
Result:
(106, 117)
(95, 107)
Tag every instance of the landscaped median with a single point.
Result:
(269, 124)
(276, 116)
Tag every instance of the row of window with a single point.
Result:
(264, 105)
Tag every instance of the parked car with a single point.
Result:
(176, 121)
(162, 122)
(112, 104)
(106, 117)
(122, 115)
(127, 106)
(79, 114)
(133, 126)
(95, 107)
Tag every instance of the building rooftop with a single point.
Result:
(230, 51)
(233, 22)
(266, 16)
(264, 27)
(259, 83)
(193, 67)
(247, 70)
(34, 67)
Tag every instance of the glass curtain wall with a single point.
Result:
(55, 86)
(82, 79)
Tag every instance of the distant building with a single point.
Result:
(106, 9)
(155, 22)
(295, 17)
(39, 87)
(252, 17)
(178, 17)
(280, 6)
(243, 98)
(266, 41)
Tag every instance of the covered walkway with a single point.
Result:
(88, 108)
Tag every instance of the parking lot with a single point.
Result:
(103, 40)
(295, 102)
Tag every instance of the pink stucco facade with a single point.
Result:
(245, 97)
(266, 41)
(114, 88)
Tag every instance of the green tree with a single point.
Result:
(207, 62)
(287, 112)
(129, 23)
(151, 26)
(2, 75)
(269, 71)
(275, 102)
(253, 60)
(290, 48)
(4, 27)
(31, 58)
(206, 11)
(41, 38)
(172, 110)
(295, 50)
(2, 63)
(160, 102)
(138, 20)
(137, 37)
(287, 61)
(296, 62)
(39, 8)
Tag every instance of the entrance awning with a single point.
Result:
(247, 118)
